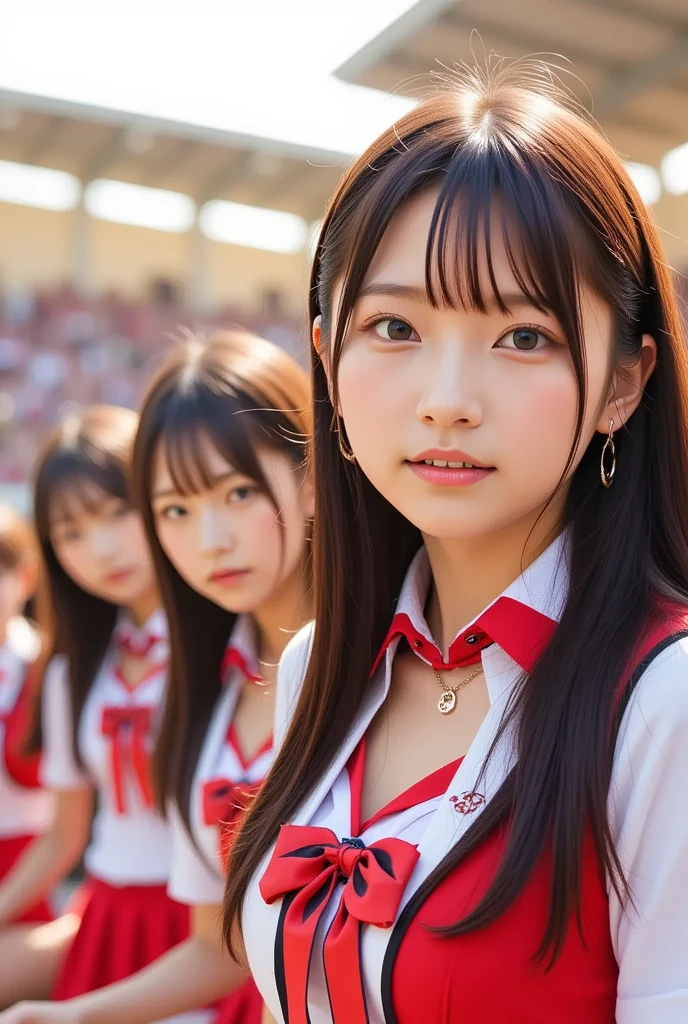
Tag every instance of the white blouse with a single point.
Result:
(196, 875)
(23, 812)
(130, 842)
(646, 803)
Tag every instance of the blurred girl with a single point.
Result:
(227, 504)
(485, 733)
(25, 809)
(101, 692)
(30, 955)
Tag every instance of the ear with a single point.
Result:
(316, 334)
(628, 386)
(322, 350)
(308, 495)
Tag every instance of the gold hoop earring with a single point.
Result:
(346, 452)
(607, 472)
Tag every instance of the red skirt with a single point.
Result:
(11, 849)
(245, 1006)
(123, 929)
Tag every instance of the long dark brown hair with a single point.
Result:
(90, 448)
(569, 213)
(239, 392)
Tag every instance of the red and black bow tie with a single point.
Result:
(307, 865)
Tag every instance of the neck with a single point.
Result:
(469, 574)
(143, 607)
(278, 618)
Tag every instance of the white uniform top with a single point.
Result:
(23, 812)
(196, 875)
(130, 842)
(646, 806)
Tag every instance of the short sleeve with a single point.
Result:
(191, 880)
(59, 769)
(649, 823)
(290, 676)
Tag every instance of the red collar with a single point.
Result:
(241, 652)
(521, 621)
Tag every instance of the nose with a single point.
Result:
(216, 530)
(450, 390)
(103, 542)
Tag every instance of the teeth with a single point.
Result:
(451, 465)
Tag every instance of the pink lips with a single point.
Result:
(448, 476)
(228, 577)
(118, 576)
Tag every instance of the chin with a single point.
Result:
(447, 526)
(127, 594)
(235, 603)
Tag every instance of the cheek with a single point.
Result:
(132, 540)
(260, 533)
(367, 390)
(78, 564)
(180, 544)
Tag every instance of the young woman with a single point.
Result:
(219, 473)
(32, 945)
(25, 809)
(101, 693)
(485, 735)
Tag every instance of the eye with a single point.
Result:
(394, 329)
(523, 339)
(120, 510)
(243, 493)
(173, 512)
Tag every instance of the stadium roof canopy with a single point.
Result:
(631, 55)
(210, 98)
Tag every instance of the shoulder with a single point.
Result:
(290, 676)
(656, 718)
(22, 639)
(56, 671)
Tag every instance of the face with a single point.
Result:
(229, 542)
(463, 421)
(100, 543)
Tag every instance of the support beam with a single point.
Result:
(384, 43)
(174, 156)
(104, 157)
(281, 184)
(647, 13)
(198, 290)
(82, 254)
(525, 41)
(43, 141)
(643, 75)
(214, 187)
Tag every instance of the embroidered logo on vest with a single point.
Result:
(467, 803)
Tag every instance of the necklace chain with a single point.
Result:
(447, 701)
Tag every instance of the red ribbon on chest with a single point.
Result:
(305, 868)
(22, 768)
(128, 729)
(224, 804)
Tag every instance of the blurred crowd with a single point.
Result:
(58, 350)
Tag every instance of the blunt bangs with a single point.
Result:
(197, 414)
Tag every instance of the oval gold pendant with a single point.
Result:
(447, 702)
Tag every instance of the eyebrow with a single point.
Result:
(512, 300)
(214, 481)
